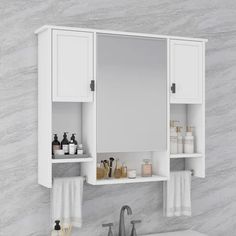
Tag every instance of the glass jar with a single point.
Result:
(100, 171)
(147, 168)
(124, 171)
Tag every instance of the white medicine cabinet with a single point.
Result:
(118, 92)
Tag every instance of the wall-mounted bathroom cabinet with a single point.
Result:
(115, 91)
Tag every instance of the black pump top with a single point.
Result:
(55, 137)
(73, 137)
(57, 226)
(65, 135)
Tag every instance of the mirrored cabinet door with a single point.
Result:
(131, 94)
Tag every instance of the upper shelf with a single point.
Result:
(45, 27)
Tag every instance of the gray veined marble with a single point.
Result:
(24, 205)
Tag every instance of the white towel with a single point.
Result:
(66, 201)
(177, 194)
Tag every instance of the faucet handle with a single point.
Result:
(108, 225)
(133, 222)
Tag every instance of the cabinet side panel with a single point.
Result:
(44, 109)
(196, 117)
(89, 140)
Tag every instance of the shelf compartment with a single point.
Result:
(72, 160)
(186, 155)
(138, 179)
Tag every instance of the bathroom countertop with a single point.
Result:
(178, 233)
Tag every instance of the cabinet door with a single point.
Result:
(72, 66)
(186, 71)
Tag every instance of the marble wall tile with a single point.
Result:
(24, 205)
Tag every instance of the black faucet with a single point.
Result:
(122, 220)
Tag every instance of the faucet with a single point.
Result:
(122, 219)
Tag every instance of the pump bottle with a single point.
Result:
(55, 144)
(65, 144)
(57, 229)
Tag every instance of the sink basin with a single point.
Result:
(178, 233)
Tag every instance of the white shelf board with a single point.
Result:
(138, 179)
(186, 155)
(72, 160)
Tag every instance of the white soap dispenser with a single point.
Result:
(180, 146)
(173, 137)
(189, 141)
(57, 229)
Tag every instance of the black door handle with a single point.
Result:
(173, 88)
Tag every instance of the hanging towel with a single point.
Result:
(177, 194)
(66, 201)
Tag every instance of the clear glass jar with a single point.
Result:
(147, 168)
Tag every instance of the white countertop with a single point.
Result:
(178, 233)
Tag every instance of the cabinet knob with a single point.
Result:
(173, 88)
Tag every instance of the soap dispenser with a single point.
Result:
(55, 144)
(75, 142)
(57, 229)
(65, 144)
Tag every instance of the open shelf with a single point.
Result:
(72, 160)
(186, 155)
(138, 179)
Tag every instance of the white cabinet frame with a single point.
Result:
(46, 99)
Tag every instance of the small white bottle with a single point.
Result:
(189, 141)
(72, 147)
(180, 146)
(57, 229)
(173, 138)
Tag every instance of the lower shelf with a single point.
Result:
(186, 155)
(72, 160)
(138, 179)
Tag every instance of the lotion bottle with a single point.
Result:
(189, 141)
(75, 142)
(72, 148)
(55, 144)
(65, 144)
